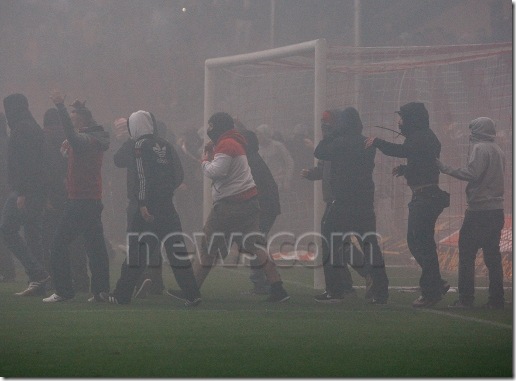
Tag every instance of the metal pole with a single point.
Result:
(357, 43)
(273, 22)
(321, 49)
(208, 110)
(356, 23)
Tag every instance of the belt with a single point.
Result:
(419, 188)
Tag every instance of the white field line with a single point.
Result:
(427, 310)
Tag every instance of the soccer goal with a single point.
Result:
(288, 88)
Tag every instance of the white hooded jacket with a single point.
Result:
(140, 123)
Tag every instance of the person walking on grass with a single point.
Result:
(322, 172)
(54, 135)
(85, 144)
(351, 213)
(268, 198)
(484, 219)
(27, 177)
(421, 148)
(157, 173)
(235, 212)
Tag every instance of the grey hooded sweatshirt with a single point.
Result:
(485, 170)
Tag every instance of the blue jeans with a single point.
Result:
(424, 209)
(29, 251)
(80, 217)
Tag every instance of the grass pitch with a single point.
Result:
(236, 335)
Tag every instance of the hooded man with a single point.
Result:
(84, 147)
(158, 173)
(484, 219)
(27, 177)
(236, 209)
(329, 122)
(421, 148)
(352, 211)
(268, 198)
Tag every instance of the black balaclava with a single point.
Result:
(415, 116)
(350, 121)
(220, 122)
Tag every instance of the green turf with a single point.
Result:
(236, 335)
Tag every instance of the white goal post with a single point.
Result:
(288, 88)
(317, 48)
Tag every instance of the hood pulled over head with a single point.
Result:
(16, 107)
(483, 129)
(350, 121)
(219, 123)
(415, 116)
(140, 123)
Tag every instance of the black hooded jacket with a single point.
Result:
(268, 194)
(352, 166)
(27, 153)
(421, 147)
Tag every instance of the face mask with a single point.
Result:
(213, 135)
(403, 130)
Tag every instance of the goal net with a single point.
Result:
(288, 88)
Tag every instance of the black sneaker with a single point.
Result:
(192, 302)
(180, 295)
(460, 305)
(378, 301)
(177, 294)
(328, 298)
(108, 298)
(278, 296)
(423, 302)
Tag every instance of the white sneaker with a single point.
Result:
(55, 298)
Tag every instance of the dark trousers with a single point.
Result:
(145, 253)
(257, 274)
(78, 256)
(340, 223)
(481, 230)
(154, 273)
(28, 250)
(80, 217)
(424, 209)
(7, 269)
